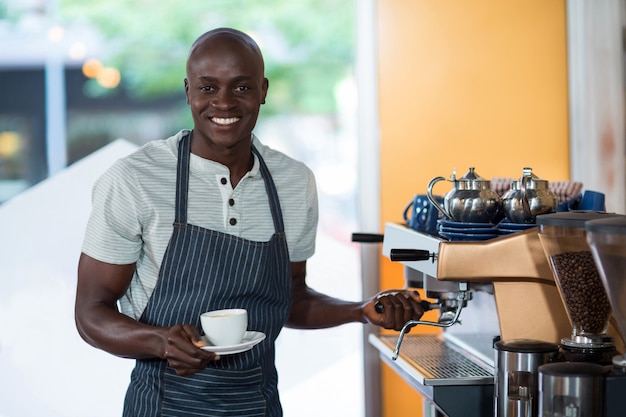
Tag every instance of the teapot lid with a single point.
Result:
(471, 175)
(532, 180)
(471, 181)
(528, 172)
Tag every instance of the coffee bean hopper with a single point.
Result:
(590, 379)
(563, 237)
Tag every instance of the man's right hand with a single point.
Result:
(183, 350)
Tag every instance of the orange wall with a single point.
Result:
(465, 83)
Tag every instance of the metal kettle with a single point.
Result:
(471, 199)
(528, 198)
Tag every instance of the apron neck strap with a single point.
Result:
(182, 178)
(182, 184)
(272, 194)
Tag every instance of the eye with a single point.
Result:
(206, 88)
(242, 88)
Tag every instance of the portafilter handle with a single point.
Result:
(426, 306)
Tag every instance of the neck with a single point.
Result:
(238, 159)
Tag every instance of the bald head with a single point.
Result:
(226, 37)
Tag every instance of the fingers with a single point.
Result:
(186, 364)
(396, 307)
(183, 352)
(194, 336)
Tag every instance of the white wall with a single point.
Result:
(596, 84)
(46, 368)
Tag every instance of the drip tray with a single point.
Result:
(432, 360)
(454, 380)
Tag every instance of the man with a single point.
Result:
(244, 221)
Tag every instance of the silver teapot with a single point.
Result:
(528, 198)
(470, 200)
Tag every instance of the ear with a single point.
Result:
(264, 88)
(187, 90)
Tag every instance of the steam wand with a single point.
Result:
(461, 297)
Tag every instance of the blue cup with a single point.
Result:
(592, 200)
(421, 215)
(571, 204)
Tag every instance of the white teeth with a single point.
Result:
(224, 121)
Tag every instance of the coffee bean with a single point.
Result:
(582, 291)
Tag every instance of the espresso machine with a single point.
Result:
(587, 254)
(493, 293)
(499, 292)
(482, 292)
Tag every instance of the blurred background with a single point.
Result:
(84, 83)
(442, 84)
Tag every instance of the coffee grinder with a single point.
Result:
(607, 239)
(563, 237)
(590, 380)
(516, 383)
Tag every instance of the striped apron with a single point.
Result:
(206, 270)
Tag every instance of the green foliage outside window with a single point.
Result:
(308, 44)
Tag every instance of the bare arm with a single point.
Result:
(313, 310)
(100, 323)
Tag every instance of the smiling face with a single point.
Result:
(225, 88)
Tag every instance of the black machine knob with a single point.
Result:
(404, 255)
(367, 237)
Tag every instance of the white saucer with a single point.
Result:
(250, 339)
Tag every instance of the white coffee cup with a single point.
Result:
(225, 327)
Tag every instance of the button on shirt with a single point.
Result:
(133, 209)
(231, 213)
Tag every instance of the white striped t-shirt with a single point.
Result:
(133, 209)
